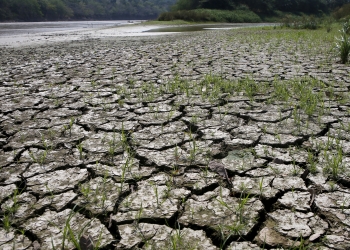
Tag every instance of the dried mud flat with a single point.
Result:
(219, 140)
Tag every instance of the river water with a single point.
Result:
(44, 33)
(11, 29)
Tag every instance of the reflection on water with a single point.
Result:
(10, 29)
(201, 27)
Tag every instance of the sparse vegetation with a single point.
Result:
(204, 148)
(208, 15)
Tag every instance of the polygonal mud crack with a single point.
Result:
(289, 183)
(47, 137)
(43, 161)
(336, 242)
(169, 157)
(6, 158)
(19, 207)
(279, 139)
(247, 132)
(289, 126)
(298, 201)
(151, 132)
(128, 110)
(58, 202)
(243, 245)
(152, 200)
(118, 125)
(269, 237)
(196, 181)
(100, 195)
(56, 229)
(296, 224)
(162, 237)
(201, 152)
(56, 181)
(22, 206)
(163, 141)
(286, 155)
(286, 227)
(123, 169)
(12, 173)
(104, 142)
(158, 119)
(60, 112)
(255, 186)
(6, 191)
(269, 116)
(336, 204)
(335, 164)
(217, 121)
(220, 212)
(12, 240)
(214, 134)
(241, 161)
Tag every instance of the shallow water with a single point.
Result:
(201, 27)
(10, 29)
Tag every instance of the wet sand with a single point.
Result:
(46, 38)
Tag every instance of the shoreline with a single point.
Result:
(141, 29)
(47, 38)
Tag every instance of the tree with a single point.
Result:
(55, 10)
(308, 6)
(214, 4)
(35, 10)
(5, 11)
(260, 6)
(26, 10)
(186, 5)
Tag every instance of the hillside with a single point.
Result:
(41, 10)
(262, 6)
(248, 10)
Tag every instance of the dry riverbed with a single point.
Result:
(214, 140)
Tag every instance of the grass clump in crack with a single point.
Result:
(343, 43)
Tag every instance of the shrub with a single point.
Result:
(200, 15)
(328, 22)
(343, 43)
(304, 22)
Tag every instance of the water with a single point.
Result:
(201, 27)
(44, 33)
(11, 29)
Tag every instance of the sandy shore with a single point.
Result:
(47, 38)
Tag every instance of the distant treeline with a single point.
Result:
(263, 6)
(40, 10)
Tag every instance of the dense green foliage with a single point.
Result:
(263, 6)
(211, 15)
(35, 10)
(192, 10)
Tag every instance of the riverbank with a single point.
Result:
(78, 32)
(234, 138)
(40, 35)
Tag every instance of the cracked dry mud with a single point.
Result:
(214, 140)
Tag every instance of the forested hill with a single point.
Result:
(41, 10)
(262, 6)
